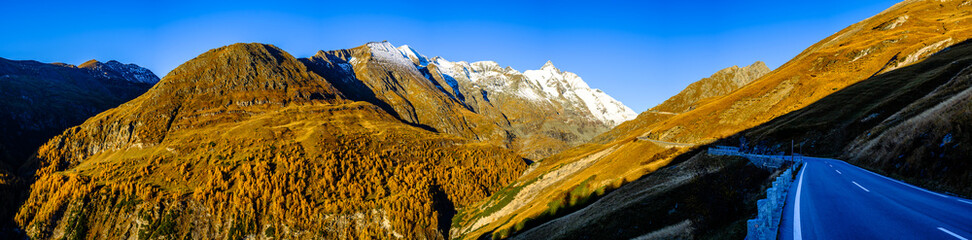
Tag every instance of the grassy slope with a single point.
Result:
(850, 56)
(826, 126)
(894, 123)
(926, 143)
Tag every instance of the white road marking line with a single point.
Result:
(797, 231)
(862, 187)
(951, 233)
(838, 172)
(913, 186)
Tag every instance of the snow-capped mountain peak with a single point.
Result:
(549, 65)
(569, 85)
(386, 52)
(411, 54)
(133, 72)
(548, 84)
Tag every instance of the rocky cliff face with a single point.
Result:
(536, 112)
(115, 69)
(719, 84)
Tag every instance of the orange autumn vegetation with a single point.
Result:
(243, 141)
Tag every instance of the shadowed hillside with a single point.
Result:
(39, 101)
(900, 36)
(908, 123)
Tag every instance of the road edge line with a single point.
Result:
(951, 233)
(859, 185)
(913, 186)
(797, 231)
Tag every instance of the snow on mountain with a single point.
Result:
(386, 52)
(133, 72)
(413, 55)
(554, 82)
(130, 72)
(546, 84)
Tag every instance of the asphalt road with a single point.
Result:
(831, 199)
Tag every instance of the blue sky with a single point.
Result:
(640, 52)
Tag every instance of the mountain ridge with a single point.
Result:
(129, 71)
(719, 84)
(498, 105)
(201, 132)
(692, 95)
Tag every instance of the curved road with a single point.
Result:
(831, 199)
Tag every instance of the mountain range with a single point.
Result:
(362, 142)
(536, 112)
(378, 141)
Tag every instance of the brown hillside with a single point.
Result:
(906, 123)
(860, 51)
(243, 141)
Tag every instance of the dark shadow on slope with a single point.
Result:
(871, 107)
(351, 87)
(445, 209)
(455, 95)
(37, 102)
(434, 75)
(702, 196)
(719, 203)
(827, 125)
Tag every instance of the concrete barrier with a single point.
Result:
(770, 210)
(763, 161)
